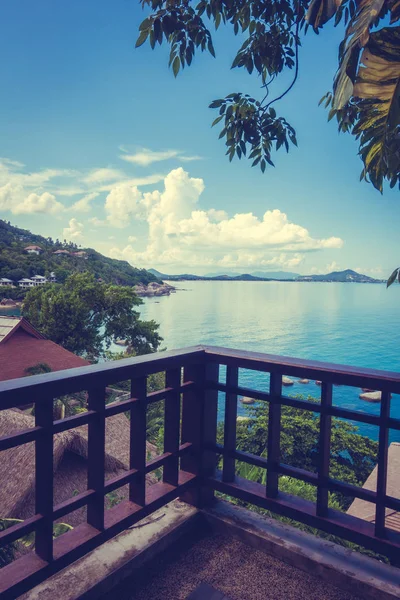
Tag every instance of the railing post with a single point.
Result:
(137, 488)
(228, 470)
(325, 428)
(96, 457)
(274, 434)
(383, 448)
(199, 427)
(171, 426)
(44, 478)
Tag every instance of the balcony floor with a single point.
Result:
(230, 566)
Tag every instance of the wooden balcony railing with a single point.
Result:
(190, 450)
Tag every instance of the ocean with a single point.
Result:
(345, 323)
(352, 324)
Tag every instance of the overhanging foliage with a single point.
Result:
(365, 96)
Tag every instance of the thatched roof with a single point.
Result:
(17, 465)
(366, 510)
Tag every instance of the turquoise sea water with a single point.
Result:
(354, 324)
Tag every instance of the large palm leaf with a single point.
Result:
(378, 88)
(357, 36)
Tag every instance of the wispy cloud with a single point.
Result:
(145, 157)
(84, 205)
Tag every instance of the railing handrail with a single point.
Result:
(59, 383)
(190, 399)
(314, 369)
(113, 371)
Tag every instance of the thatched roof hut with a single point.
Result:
(17, 465)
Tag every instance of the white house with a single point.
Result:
(39, 279)
(26, 283)
(33, 249)
(4, 282)
(52, 277)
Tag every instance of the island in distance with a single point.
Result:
(346, 276)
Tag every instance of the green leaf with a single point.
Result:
(175, 65)
(217, 120)
(393, 276)
(145, 24)
(211, 48)
(142, 38)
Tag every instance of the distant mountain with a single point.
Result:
(16, 263)
(341, 276)
(348, 276)
(157, 273)
(258, 274)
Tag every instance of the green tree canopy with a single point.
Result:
(366, 89)
(353, 456)
(85, 316)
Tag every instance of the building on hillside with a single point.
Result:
(80, 254)
(62, 253)
(22, 347)
(39, 279)
(33, 249)
(26, 283)
(4, 282)
(17, 465)
(52, 277)
(366, 510)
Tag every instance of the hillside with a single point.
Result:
(16, 264)
(348, 275)
(259, 274)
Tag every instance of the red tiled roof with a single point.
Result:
(32, 248)
(22, 350)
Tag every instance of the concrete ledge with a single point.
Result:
(346, 569)
(101, 570)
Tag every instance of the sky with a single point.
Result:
(102, 146)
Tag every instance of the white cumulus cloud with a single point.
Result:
(121, 203)
(179, 232)
(74, 231)
(34, 203)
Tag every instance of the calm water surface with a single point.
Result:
(354, 324)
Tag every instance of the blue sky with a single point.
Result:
(101, 145)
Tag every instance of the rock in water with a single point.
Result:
(304, 381)
(371, 396)
(247, 400)
(287, 381)
(318, 382)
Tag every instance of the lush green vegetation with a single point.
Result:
(16, 264)
(7, 553)
(85, 316)
(365, 96)
(353, 456)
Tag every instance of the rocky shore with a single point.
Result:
(154, 289)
